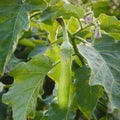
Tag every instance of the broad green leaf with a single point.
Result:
(1, 85)
(3, 107)
(38, 49)
(54, 2)
(115, 35)
(86, 95)
(38, 115)
(51, 29)
(49, 15)
(100, 7)
(104, 61)
(12, 62)
(73, 25)
(28, 84)
(14, 19)
(54, 53)
(75, 11)
(55, 113)
(37, 4)
(111, 25)
(67, 10)
(107, 22)
(54, 74)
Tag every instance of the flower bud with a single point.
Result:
(89, 19)
(97, 33)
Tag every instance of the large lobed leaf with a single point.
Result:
(54, 53)
(28, 84)
(87, 96)
(61, 9)
(111, 25)
(73, 25)
(13, 20)
(108, 22)
(55, 113)
(37, 5)
(76, 11)
(51, 29)
(104, 60)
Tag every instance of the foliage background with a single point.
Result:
(30, 40)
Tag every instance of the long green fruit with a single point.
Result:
(66, 62)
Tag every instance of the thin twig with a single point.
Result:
(81, 39)
(94, 116)
(83, 29)
(35, 14)
(80, 24)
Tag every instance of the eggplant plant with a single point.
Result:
(59, 59)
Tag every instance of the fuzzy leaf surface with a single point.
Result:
(111, 25)
(86, 95)
(104, 60)
(28, 84)
(14, 19)
(55, 113)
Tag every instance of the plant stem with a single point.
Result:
(94, 116)
(80, 24)
(76, 51)
(81, 39)
(83, 29)
(35, 13)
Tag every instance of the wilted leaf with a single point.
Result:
(28, 84)
(104, 61)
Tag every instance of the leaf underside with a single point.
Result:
(104, 60)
